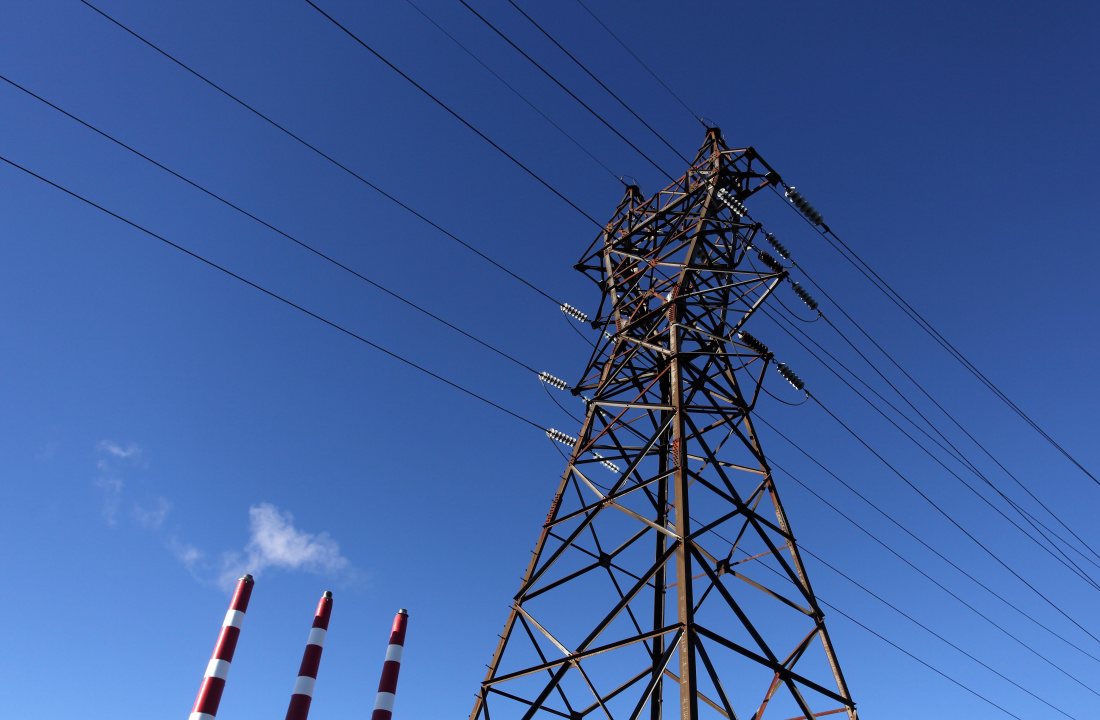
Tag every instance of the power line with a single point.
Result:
(932, 632)
(563, 87)
(954, 522)
(930, 579)
(940, 407)
(1067, 562)
(599, 82)
(653, 74)
(268, 225)
(982, 447)
(942, 674)
(928, 547)
(274, 295)
(887, 290)
(458, 117)
(960, 455)
(516, 92)
(332, 160)
(837, 610)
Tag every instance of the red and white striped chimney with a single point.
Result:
(387, 686)
(311, 660)
(213, 683)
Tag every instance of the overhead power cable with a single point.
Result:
(940, 407)
(934, 669)
(563, 87)
(1041, 528)
(514, 91)
(271, 227)
(935, 634)
(952, 520)
(274, 295)
(458, 117)
(1037, 525)
(1026, 615)
(1064, 559)
(886, 289)
(327, 157)
(1030, 519)
(599, 82)
(957, 424)
(930, 579)
(653, 74)
(951, 449)
(928, 665)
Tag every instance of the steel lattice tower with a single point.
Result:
(666, 581)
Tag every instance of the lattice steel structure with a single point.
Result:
(666, 581)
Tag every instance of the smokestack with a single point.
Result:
(387, 686)
(213, 683)
(311, 660)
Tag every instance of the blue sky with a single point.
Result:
(165, 426)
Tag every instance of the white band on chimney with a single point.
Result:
(317, 637)
(384, 701)
(304, 685)
(217, 668)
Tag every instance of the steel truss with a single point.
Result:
(671, 585)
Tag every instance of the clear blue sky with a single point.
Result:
(163, 426)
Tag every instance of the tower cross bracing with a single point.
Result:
(666, 581)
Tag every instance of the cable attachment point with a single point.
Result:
(573, 312)
(561, 437)
(803, 206)
(553, 381)
(779, 247)
(731, 202)
(787, 373)
(805, 296)
(771, 262)
(755, 344)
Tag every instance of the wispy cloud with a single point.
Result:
(112, 448)
(152, 518)
(111, 496)
(188, 555)
(111, 455)
(276, 543)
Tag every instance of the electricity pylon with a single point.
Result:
(666, 581)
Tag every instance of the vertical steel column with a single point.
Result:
(217, 670)
(387, 686)
(660, 579)
(302, 696)
(685, 601)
